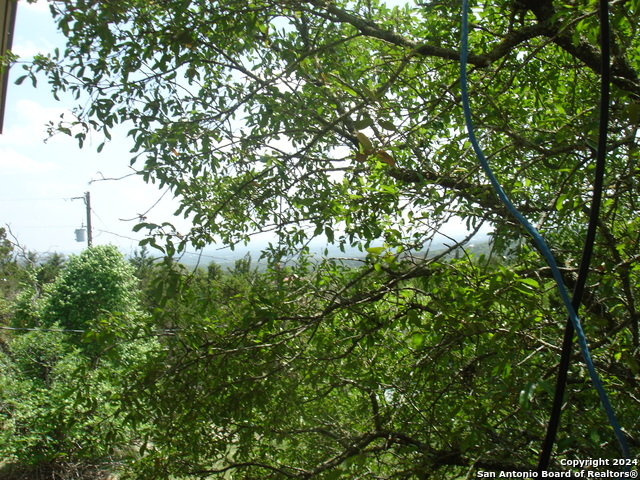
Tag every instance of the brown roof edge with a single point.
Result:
(8, 9)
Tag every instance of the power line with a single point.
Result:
(42, 199)
(24, 329)
(65, 330)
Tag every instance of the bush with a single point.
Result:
(96, 282)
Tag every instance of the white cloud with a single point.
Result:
(35, 113)
(27, 122)
(35, 30)
(14, 162)
(40, 6)
(27, 48)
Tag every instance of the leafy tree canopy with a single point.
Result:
(10, 273)
(95, 283)
(342, 119)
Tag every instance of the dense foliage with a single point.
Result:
(59, 375)
(342, 120)
(95, 282)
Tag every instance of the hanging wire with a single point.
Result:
(583, 272)
(539, 241)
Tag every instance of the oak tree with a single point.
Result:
(342, 120)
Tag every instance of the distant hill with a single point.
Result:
(226, 257)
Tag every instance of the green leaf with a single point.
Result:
(530, 281)
(365, 142)
(362, 124)
(416, 339)
(387, 125)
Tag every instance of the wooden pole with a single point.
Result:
(87, 201)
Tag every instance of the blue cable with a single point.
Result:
(541, 244)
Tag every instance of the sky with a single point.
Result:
(43, 180)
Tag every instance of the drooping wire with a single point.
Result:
(594, 215)
(539, 241)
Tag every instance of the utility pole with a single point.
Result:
(87, 201)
